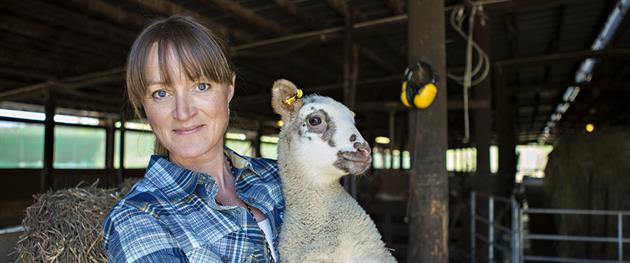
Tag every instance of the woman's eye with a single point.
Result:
(203, 86)
(159, 94)
(314, 121)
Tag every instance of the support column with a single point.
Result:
(110, 132)
(482, 124)
(428, 208)
(393, 139)
(120, 176)
(506, 133)
(47, 177)
(350, 74)
(256, 141)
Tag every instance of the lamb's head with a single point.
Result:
(319, 134)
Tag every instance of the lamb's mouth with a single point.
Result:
(355, 162)
(356, 157)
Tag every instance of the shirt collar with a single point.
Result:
(178, 183)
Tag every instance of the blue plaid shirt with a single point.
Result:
(171, 215)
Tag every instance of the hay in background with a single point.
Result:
(65, 226)
(598, 163)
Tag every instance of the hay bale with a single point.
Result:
(589, 171)
(65, 226)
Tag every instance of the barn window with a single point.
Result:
(79, 147)
(22, 145)
(138, 148)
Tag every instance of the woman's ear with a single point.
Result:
(284, 100)
(231, 88)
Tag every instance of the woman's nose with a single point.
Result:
(184, 107)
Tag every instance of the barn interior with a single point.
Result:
(532, 110)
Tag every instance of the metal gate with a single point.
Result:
(514, 251)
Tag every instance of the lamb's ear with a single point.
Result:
(281, 99)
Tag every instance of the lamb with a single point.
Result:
(318, 144)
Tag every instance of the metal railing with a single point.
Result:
(515, 251)
(619, 239)
(489, 220)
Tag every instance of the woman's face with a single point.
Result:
(189, 117)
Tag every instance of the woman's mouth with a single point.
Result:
(187, 130)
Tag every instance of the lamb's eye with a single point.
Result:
(314, 121)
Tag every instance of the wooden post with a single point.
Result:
(506, 133)
(392, 138)
(482, 124)
(120, 176)
(47, 177)
(428, 208)
(110, 132)
(350, 74)
(402, 141)
(256, 141)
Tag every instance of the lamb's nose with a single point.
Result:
(364, 149)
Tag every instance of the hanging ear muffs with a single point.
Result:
(419, 86)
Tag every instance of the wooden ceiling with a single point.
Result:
(77, 48)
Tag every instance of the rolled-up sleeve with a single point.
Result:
(131, 235)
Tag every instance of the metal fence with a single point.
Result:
(514, 251)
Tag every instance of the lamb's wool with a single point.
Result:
(322, 222)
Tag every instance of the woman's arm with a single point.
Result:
(134, 236)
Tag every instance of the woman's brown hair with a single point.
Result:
(200, 52)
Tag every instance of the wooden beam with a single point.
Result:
(377, 60)
(398, 48)
(551, 49)
(503, 7)
(53, 36)
(49, 47)
(613, 53)
(170, 8)
(325, 36)
(114, 13)
(290, 7)
(55, 15)
(249, 16)
(67, 83)
(396, 6)
(396, 106)
(341, 6)
(25, 73)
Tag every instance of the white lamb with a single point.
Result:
(318, 145)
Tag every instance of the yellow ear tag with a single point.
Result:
(292, 99)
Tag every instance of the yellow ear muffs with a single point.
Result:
(425, 97)
(421, 93)
(403, 95)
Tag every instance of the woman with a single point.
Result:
(198, 201)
